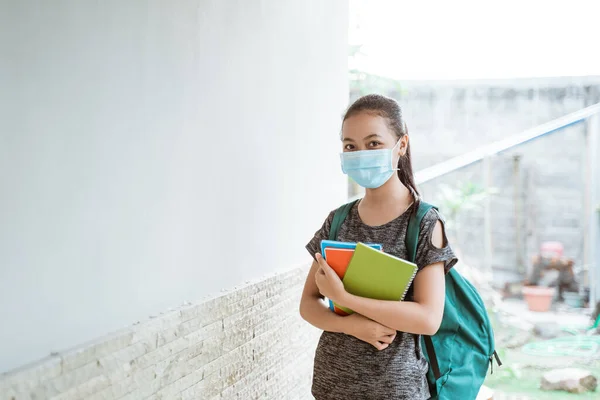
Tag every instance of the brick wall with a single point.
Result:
(247, 344)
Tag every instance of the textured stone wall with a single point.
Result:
(247, 344)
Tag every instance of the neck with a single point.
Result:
(393, 191)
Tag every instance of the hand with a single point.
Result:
(369, 331)
(329, 283)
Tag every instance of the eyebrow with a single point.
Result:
(371, 136)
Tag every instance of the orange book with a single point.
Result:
(338, 259)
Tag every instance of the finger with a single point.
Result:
(388, 331)
(387, 339)
(318, 277)
(384, 339)
(321, 272)
(380, 346)
(327, 270)
(322, 263)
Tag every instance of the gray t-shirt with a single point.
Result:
(347, 368)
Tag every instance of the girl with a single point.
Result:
(375, 353)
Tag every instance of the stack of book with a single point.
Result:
(367, 271)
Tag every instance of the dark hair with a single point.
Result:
(390, 110)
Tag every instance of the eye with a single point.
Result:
(374, 143)
(349, 147)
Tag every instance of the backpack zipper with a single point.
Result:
(497, 359)
(494, 355)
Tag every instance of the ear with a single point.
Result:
(403, 147)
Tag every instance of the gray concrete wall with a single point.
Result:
(152, 153)
(450, 118)
(540, 197)
(540, 200)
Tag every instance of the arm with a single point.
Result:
(423, 316)
(314, 311)
(319, 315)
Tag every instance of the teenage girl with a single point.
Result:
(375, 353)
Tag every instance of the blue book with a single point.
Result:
(345, 245)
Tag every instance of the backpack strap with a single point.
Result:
(411, 241)
(338, 218)
(432, 357)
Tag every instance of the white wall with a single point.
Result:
(156, 152)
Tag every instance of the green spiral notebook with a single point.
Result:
(377, 275)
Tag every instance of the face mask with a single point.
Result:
(369, 168)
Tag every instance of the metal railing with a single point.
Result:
(508, 143)
(589, 115)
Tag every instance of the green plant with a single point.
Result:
(455, 199)
(462, 196)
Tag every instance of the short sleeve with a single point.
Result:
(314, 245)
(427, 253)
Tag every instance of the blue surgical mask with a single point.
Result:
(369, 168)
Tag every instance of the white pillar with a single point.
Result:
(592, 240)
(487, 218)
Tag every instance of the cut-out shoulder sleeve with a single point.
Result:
(314, 246)
(427, 252)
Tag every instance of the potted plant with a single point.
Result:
(537, 290)
(538, 298)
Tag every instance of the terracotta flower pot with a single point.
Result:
(538, 298)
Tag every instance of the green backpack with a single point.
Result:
(461, 351)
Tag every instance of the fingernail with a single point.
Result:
(318, 255)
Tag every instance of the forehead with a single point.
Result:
(364, 124)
